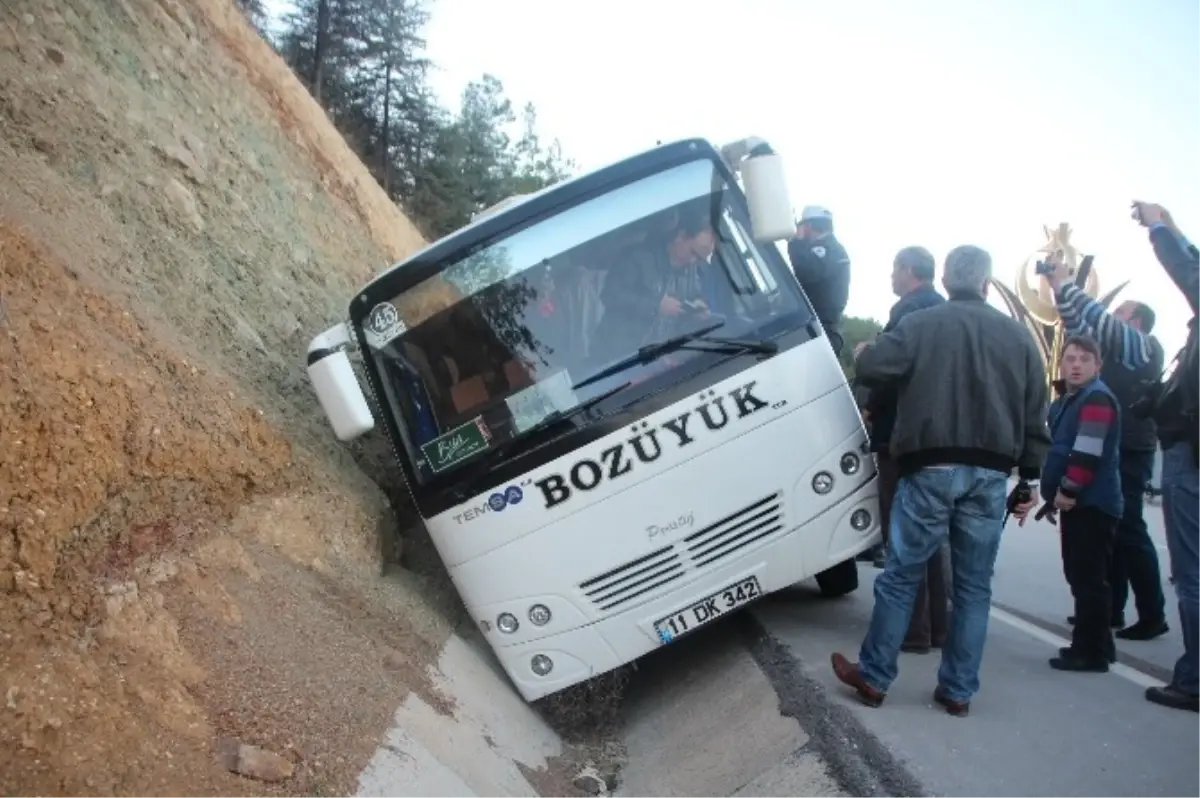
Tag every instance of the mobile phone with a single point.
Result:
(1137, 213)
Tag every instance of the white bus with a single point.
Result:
(614, 409)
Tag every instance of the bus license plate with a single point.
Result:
(707, 610)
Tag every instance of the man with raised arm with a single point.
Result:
(1133, 363)
(1176, 412)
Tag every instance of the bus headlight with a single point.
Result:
(507, 622)
(860, 519)
(822, 483)
(539, 615)
(541, 664)
(850, 463)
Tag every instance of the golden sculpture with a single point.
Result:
(1035, 308)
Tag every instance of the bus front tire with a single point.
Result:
(839, 580)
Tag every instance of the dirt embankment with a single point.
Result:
(186, 555)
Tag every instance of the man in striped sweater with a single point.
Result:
(1082, 478)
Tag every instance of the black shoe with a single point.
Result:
(1144, 630)
(880, 558)
(959, 709)
(1116, 623)
(1170, 697)
(1071, 662)
(1066, 653)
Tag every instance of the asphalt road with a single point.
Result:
(1032, 730)
(1029, 583)
(703, 719)
(704, 714)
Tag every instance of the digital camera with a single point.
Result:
(1044, 268)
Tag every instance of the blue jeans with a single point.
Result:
(964, 504)
(1181, 492)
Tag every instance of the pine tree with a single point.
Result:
(364, 61)
(256, 12)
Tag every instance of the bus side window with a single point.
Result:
(747, 257)
(734, 269)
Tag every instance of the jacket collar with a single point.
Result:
(965, 296)
(919, 289)
(1072, 391)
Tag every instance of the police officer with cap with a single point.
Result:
(823, 269)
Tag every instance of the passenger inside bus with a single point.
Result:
(568, 315)
(657, 288)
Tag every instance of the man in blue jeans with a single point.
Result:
(970, 407)
(1176, 413)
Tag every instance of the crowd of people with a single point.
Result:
(955, 398)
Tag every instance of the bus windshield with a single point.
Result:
(500, 341)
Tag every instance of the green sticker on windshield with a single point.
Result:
(456, 445)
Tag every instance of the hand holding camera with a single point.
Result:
(1054, 268)
(1148, 214)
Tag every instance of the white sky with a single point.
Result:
(931, 122)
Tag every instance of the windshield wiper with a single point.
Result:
(559, 416)
(651, 352)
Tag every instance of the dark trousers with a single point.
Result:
(1087, 542)
(928, 623)
(927, 627)
(889, 477)
(1134, 558)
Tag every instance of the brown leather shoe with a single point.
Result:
(849, 674)
(958, 709)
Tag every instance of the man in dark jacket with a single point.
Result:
(1082, 479)
(650, 292)
(912, 281)
(1133, 362)
(970, 407)
(1177, 415)
(823, 269)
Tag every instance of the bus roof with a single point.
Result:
(520, 208)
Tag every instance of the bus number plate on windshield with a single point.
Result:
(707, 610)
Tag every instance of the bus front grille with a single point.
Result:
(613, 588)
(734, 532)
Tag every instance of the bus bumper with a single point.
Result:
(800, 553)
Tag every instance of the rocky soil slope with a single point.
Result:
(189, 564)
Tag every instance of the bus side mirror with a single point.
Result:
(765, 184)
(337, 388)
